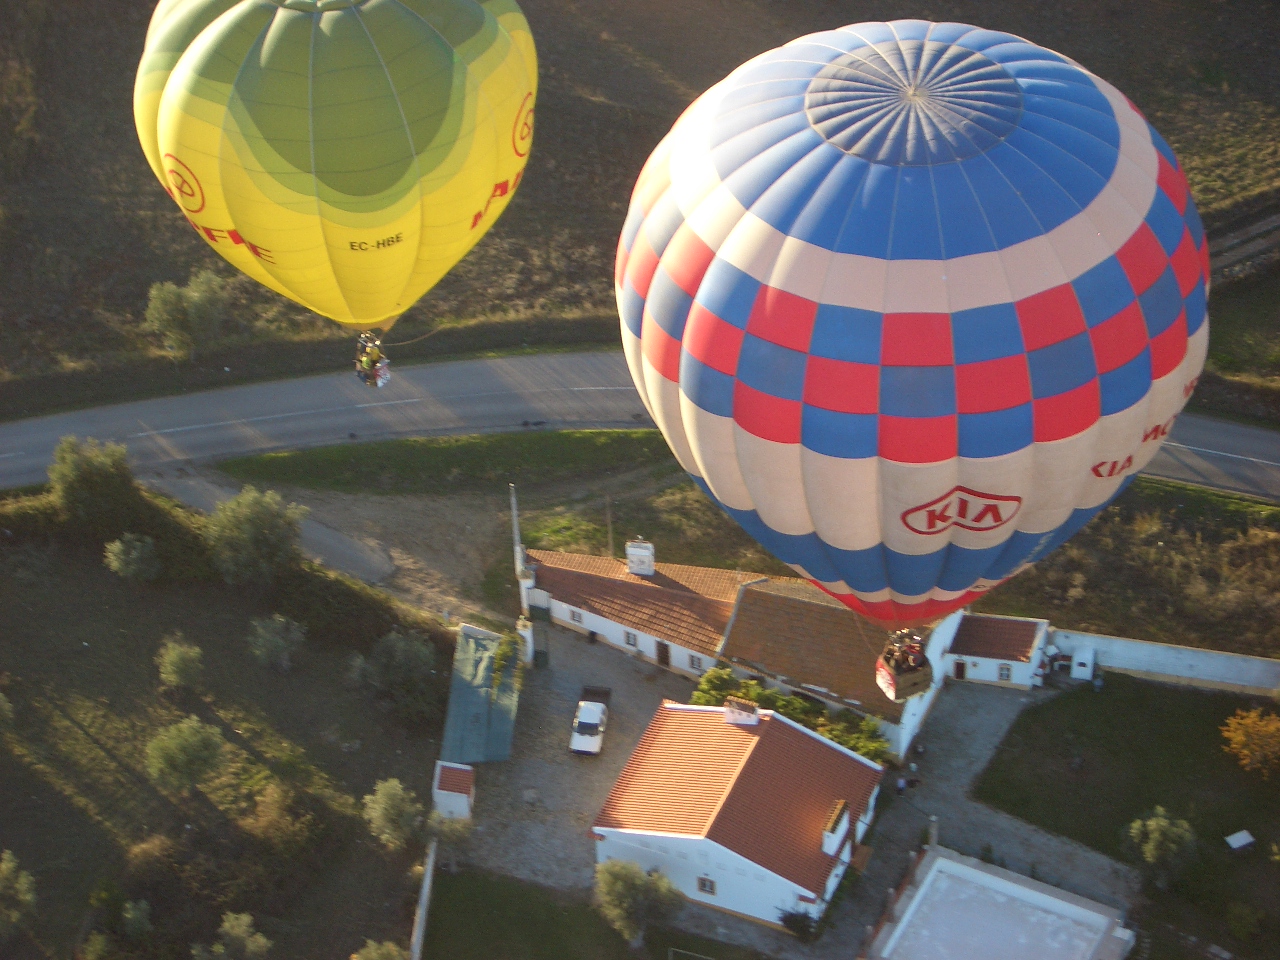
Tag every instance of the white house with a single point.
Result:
(743, 810)
(453, 790)
(792, 636)
(956, 906)
(1007, 651)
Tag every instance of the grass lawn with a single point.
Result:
(76, 806)
(1086, 764)
(482, 916)
(436, 465)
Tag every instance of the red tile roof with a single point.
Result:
(795, 632)
(456, 779)
(690, 620)
(995, 638)
(764, 791)
(704, 581)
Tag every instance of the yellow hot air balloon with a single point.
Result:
(345, 153)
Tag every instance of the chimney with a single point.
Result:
(742, 713)
(640, 557)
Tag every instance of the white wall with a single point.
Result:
(615, 634)
(983, 670)
(1209, 669)
(741, 886)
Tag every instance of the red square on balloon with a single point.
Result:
(1067, 414)
(782, 318)
(712, 341)
(686, 259)
(766, 416)
(841, 385)
(1142, 258)
(916, 340)
(1173, 182)
(642, 264)
(1050, 317)
(991, 385)
(1169, 347)
(919, 439)
(1118, 340)
(660, 348)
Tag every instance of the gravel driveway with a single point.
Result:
(534, 812)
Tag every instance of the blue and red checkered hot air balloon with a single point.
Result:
(912, 302)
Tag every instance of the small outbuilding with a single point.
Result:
(453, 790)
(1007, 651)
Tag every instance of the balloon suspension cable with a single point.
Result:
(405, 343)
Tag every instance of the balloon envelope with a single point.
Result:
(912, 302)
(345, 153)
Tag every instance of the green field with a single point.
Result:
(1086, 764)
(85, 230)
(481, 916)
(436, 465)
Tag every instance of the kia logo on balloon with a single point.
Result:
(964, 508)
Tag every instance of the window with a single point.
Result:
(575, 616)
(706, 885)
(695, 663)
(1005, 671)
(630, 637)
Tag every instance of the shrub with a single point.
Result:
(274, 641)
(167, 316)
(135, 919)
(6, 712)
(17, 894)
(452, 833)
(401, 668)
(181, 664)
(393, 813)
(93, 485)
(207, 299)
(799, 923)
(1163, 845)
(237, 940)
(254, 536)
(133, 557)
(97, 946)
(277, 824)
(1253, 738)
(859, 734)
(630, 899)
(183, 754)
(380, 951)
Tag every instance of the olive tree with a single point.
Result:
(631, 899)
(237, 940)
(1163, 845)
(183, 754)
(180, 664)
(253, 536)
(133, 557)
(274, 640)
(393, 813)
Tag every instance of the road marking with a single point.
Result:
(357, 406)
(1219, 453)
(16, 453)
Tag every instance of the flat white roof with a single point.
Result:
(960, 909)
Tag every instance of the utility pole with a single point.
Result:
(516, 545)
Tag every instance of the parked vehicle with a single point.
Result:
(590, 720)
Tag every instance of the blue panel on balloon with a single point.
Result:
(728, 292)
(996, 433)
(862, 570)
(851, 436)
(631, 307)
(846, 333)
(913, 575)
(668, 304)
(771, 369)
(1126, 385)
(986, 333)
(918, 391)
(1061, 367)
(708, 388)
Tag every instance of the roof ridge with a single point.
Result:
(765, 716)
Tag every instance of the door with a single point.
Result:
(959, 669)
(664, 654)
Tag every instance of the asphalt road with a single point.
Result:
(468, 396)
